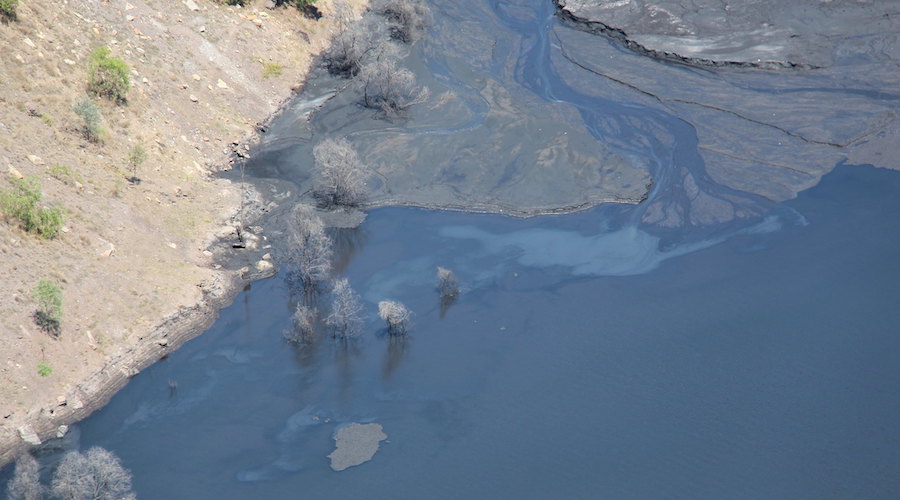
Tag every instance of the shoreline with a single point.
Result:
(215, 272)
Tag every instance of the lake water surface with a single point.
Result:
(588, 356)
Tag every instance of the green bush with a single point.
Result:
(8, 8)
(108, 76)
(90, 119)
(271, 69)
(44, 369)
(22, 203)
(49, 306)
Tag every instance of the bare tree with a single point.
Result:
(26, 481)
(408, 18)
(95, 475)
(396, 315)
(389, 87)
(345, 319)
(310, 249)
(304, 321)
(343, 175)
(354, 42)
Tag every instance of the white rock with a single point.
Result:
(26, 432)
(62, 430)
(221, 84)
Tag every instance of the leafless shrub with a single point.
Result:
(389, 87)
(343, 175)
(447, 284)
(345, 319)
(95, 475)
(26, 481)
(303, 329)
(310, 249)
(350, 47)
(396, 315)
(408, 18)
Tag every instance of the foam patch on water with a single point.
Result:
(623, 252)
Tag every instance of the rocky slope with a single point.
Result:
(134, 260)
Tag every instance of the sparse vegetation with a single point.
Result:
(48, 314)
(65, 175)
(389, 87)
(343, 175)
(46, 118)
(90, 119)
(95, 475)
(270, 69)
(345, 318)
(396, 315)
(44, 369)
(408, 18)
(22, 203)
(8, 9)
(26, 481)
(136, 157)
(310, 248)
(108, 76)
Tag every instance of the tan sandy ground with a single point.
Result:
(131, 256)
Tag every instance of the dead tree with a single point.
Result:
(345, 319)
(353, 43)
(448, 288)
(342, 175)
(26, 481)
(309, 248)
(396, 315)
(408, 19)
(389, 87)
(303, 327)
(95, 475)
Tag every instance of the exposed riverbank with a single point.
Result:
(137, 262)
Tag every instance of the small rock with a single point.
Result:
(196, 77)
(171, 245)
(190, 4)
(202, 29)
(257, 22)
(35, 159)
(221, 84)
(15, 173)
(61, 431)
(26, 432)
(67, 61)
(263, 266)
(145, 80)
(163, 342)
(267, 256)
(270, 4)
(28, 42)
(130, 18)
(22, 60)
(76, 403)
(61, 400)
(193, 98)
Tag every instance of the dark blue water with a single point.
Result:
(587, 357)
(767, 366)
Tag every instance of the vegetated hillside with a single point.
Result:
(128, 254)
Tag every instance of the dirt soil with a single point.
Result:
(134, 260)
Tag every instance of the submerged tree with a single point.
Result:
(448, 288)
(95, 475)
(396, 315)
(342, 173)
(408, 18)
(389, 87)
(26, 481)
(345, 319)
(303, 325)
(310, 249)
